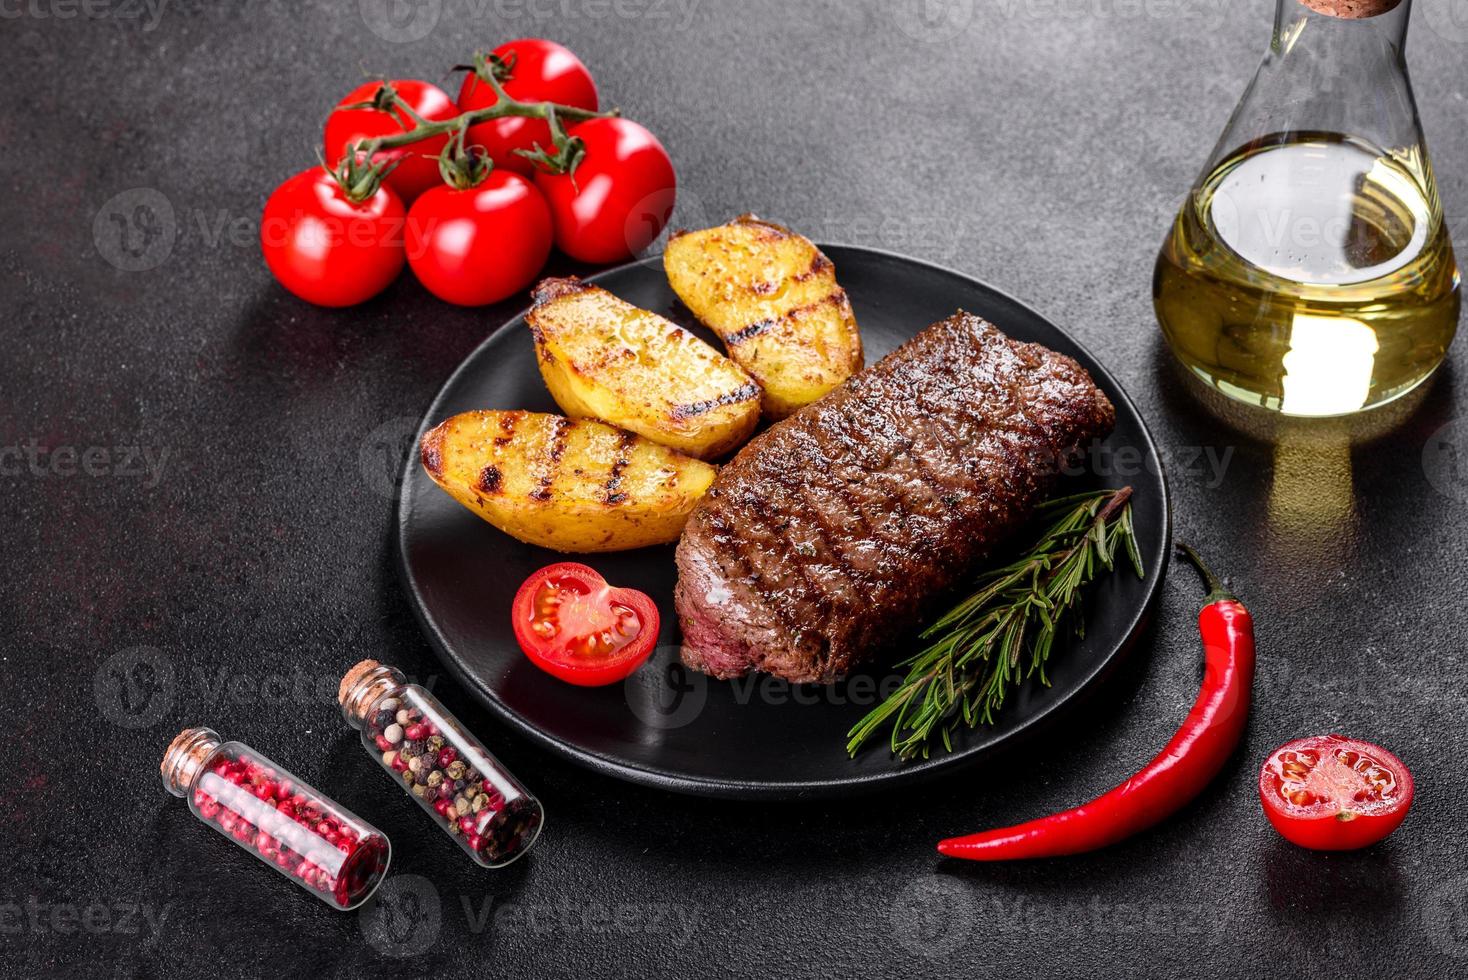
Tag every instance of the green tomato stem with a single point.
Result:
(505, 106)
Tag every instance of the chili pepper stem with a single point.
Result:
(1216, 590)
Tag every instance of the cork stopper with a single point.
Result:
(185, 756)
(362, 686)
(1352, 9)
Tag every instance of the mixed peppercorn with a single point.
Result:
(449, 775)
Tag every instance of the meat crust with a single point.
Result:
(832, 533)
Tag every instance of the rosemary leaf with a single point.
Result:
(1003, 633)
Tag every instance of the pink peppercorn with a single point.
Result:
(285, 824)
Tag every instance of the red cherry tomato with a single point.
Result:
(479, 245)
(573, 625)
(1332, 793)
(542, 71)
(418, 170)
(619, 199)
(327, 249)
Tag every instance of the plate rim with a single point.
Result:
(758, 790)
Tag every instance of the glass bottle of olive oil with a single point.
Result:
(1310, 270)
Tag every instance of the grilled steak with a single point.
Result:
(833, 532)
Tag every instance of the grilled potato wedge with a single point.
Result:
(604, 358)
(772, 297)
(576, 486)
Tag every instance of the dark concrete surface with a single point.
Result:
(1041, 146)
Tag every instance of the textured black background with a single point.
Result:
(1041, 146)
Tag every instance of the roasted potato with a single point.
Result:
(772, 297)
(577, 486)
(604, 358)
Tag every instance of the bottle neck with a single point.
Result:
(1329, 73)
(363, 686)
(185, 757)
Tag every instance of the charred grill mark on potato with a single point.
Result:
(765, 326)
(747, 393)
(749, 333)
(490, 479)
(818, 266)
(560, 431)
(613, 495)
(558, 441)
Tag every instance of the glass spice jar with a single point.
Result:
(447, 770)
(317, 843)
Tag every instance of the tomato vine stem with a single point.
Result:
(566, 154)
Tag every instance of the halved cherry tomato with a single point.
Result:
(573, 625)
(540, 71)
(417, 170)
(1332, 793)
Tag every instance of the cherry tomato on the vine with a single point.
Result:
(1332, 793)
(326, 248)
(620, 197)
(482, 244)
(418, 169)
(540, 71)
(573, 625)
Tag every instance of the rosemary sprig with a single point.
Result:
(1003, 632)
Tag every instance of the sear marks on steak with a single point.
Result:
(830, 535)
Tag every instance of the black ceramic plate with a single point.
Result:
(671, 728)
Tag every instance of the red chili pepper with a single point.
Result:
(1179, 772)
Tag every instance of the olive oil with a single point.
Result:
(1310, 273)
